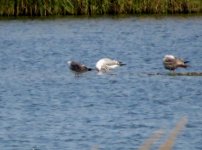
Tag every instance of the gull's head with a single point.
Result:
(69, 62)
(99, 65)
(169, 56)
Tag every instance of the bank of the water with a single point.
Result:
(84, 17)
(97, 7)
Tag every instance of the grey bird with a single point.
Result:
(171, 62)
(77, 67)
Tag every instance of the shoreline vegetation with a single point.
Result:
(97, 7)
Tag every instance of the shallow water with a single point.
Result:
(44, 106)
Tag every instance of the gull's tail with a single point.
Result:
(121, 64)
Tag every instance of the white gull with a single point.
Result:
(106, 64)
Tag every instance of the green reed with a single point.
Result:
(97, 7)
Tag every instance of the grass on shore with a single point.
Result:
(97, 7)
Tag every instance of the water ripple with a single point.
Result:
(44, 106)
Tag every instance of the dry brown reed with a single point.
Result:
(95, 147)
(168, 144)
(151, 140)
(173, 134)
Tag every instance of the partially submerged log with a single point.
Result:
(177, 74)
(185, 74)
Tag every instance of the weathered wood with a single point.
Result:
(185, 74)
(177, 74)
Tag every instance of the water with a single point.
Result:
(44, 106)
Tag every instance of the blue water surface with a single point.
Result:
(43, 106)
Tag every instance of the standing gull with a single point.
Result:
(106, 64)
(171, 62)
(78, 67)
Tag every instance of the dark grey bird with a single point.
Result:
(77, 67)
(171, 62)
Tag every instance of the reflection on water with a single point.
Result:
(43, 105)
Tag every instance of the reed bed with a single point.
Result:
(97, 7)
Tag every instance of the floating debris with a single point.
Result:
(185, 74)
(177, 74)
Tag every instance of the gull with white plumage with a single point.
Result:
(106, 64)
